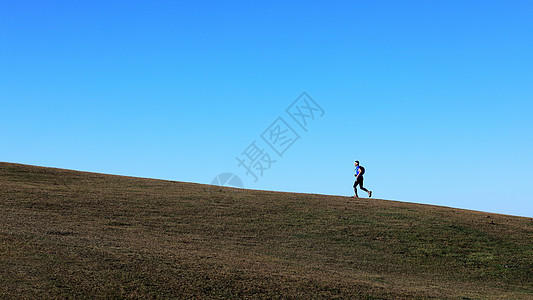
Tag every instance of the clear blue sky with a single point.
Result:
(434, 98)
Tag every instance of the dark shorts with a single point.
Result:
(359, 182)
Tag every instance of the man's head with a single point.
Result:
(356, 163)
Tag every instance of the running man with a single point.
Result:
(359, 171)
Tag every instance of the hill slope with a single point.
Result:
(76, 234)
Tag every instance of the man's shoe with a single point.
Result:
(370, 194)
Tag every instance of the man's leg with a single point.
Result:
(369, 192)
(364, 189)
(355, 189)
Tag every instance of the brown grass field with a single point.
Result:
(70, 234)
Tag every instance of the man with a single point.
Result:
(359, 171)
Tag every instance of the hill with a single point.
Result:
(67, 234)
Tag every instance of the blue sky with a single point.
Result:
(434, 98)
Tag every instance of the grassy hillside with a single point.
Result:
(76, 234)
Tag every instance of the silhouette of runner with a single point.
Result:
(359, 171)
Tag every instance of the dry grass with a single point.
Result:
(66, 234)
